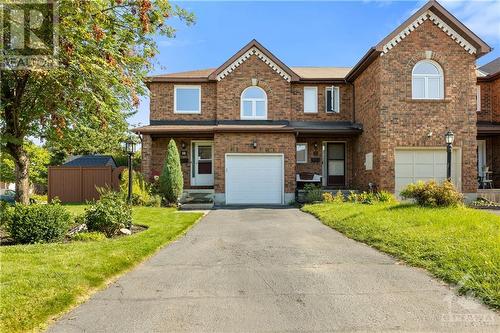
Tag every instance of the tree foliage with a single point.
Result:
(39, 158)
(106, 48)
(171, 179)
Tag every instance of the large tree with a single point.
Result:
(106, 48)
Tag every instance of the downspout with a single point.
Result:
(353, 160)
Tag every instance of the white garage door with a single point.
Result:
(413, 165)
(254, 179)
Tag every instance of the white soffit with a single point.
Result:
(437, 21)
(253, 51)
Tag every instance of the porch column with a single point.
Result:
(146, 155)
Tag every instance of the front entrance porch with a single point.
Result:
(488, 162)
(324, 161)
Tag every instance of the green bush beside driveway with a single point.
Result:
(459, 245)
(41, 281)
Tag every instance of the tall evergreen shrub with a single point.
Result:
(171, 179)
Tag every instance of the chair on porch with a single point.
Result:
(485, 180)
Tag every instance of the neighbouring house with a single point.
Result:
(253, 130)
(91, 161)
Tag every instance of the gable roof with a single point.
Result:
(254, 48)
(321, 73)
(92, 161)
(188, 76)
(305, 73)
(492, 67)
(437, 14)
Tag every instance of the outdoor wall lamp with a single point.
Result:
(449, 137)
(254, 144)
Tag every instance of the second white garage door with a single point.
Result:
(254, 179)
(412, 165)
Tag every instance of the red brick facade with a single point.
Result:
(282, 143)
(490, 101)
(162, 106)
(379, 98)
(405, 122)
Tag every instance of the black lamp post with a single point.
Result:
(449, 137)
(130, 150)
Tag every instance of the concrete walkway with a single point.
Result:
(270, 270)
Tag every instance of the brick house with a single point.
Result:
(254, 129)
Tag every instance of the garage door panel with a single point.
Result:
(404, 170)
(405, 157)
(424, 171)
(402, 183)
(424, 157)
(440, 157)
(254, 179)
(440, 171)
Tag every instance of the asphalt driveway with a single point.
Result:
(270, 270)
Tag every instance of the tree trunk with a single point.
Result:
(21, 162)
(11, 98)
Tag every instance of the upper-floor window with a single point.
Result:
(310, 99)
(332, 102)
(187, 99)
(478, 98)
(427, 80)
(253, 103)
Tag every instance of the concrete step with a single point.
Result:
(197, 206)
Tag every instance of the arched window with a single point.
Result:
(253, 103)
(427, 80)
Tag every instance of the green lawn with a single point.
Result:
(38, 282)
(455, 244)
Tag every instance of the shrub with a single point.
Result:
(339, 197)
(39, 198)
(141, 190)
(37, 223)
(352, 197)
(88, 236)
(366, 198)
(313, 193)
(384, 196)
(327, 197)
(109, 214)
(433, 194)
(171, 180)
(5, 212)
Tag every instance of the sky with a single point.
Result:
(300, 33)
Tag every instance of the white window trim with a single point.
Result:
(315, 99)
(176, 87)
(305, 158)
(426, 77)
(478, 98)
(254, 105)
(337, 100)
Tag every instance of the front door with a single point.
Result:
(335, 164)
(203, 155)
